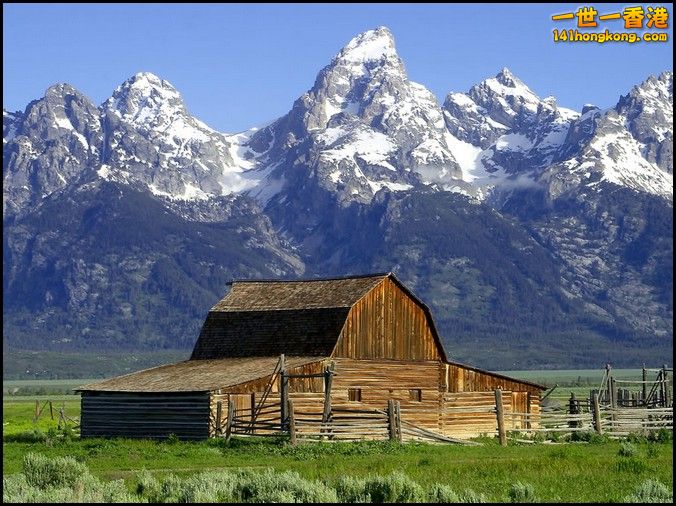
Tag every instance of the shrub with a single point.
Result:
(84, 489)
(442, 494)
(470, 495)
(288, 486)
(209, 486)
(522, 492)
(397, 487)
(627, 449)
(651, 491)
(351, 489)
(15, 488)
(43, 472)
(146, 484)
(661, 436)
(170, 489)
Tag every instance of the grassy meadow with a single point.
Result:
(257, 469)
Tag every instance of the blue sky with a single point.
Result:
(241, 65)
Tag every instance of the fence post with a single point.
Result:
(390, 420)
(51, 410)
(667, 390)
(284, 390)
(231, 417)
(597, 413)
(219, 415)
(292, 423)
(573, 409)
(613, 393)
(397, 420)
(645, 385)
(501, 417)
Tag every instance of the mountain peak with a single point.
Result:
(371, 45)
(507, 78)
(144, 91)
(60, 90)
(145, 82)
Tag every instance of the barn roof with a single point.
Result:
(195, 375)
(270, 317)
(297, 294)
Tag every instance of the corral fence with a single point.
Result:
(64, 421)
(615, 422)
(615, 408)
(343, 423)
(313, 417)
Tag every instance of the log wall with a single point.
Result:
(136, 415)
(446, 405)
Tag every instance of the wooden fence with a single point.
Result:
(63, 420)
(615, 422)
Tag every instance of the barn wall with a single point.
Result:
(142, 415)
(380, 380)
(308, 393)
(463, 379)
(387, 323)
(442, 408)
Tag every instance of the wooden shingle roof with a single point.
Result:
(270, 317)
(195, 375)
(297, 294)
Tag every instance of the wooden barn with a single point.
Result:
(343, 357)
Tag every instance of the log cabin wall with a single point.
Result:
(387, 323)
(415, 384)
(145, 415)
(441, 407)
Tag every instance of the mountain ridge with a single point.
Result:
(367, 172)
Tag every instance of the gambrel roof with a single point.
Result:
(294, 317)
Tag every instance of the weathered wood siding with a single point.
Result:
(143, 415)
(308, 393)
(463, 379)
(387, 323)
(447, 405)
(380, 380)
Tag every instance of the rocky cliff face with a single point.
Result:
(515, 219)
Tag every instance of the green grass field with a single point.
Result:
(572, 472)
(573, 377)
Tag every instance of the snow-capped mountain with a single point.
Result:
(494, 200)
(52, 144)
(362, 127)
(151, 138)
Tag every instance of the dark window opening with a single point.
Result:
(354, 394)
(415, 395)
